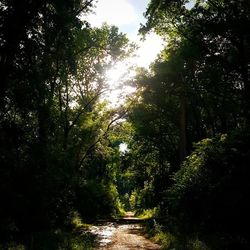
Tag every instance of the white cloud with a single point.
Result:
(114, 12)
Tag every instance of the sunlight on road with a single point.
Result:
(103, 233)
(125, 233)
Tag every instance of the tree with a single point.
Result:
(215, 27)
(52, 67)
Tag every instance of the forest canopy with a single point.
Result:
(184, 130)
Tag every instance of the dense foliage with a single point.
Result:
(53, 156)
(209, 194)
(191, 123)
(186, 127)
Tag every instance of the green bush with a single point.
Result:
(210, 191)
(96, 199)
(52, 240)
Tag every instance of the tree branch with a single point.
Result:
(84, 108)
(102, 136)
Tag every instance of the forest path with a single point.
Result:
(123, 234)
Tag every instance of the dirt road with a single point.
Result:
(125, 235)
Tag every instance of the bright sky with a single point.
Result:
(123, 148)
(127, 15)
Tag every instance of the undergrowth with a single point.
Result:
(75, 236)
(168, 241)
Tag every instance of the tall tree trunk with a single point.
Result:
(244, 64)
(183, 127)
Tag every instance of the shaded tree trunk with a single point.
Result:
(183, 127)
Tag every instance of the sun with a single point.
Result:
(115, 73)
(117, 81)
(123, 72)
(118, 73)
